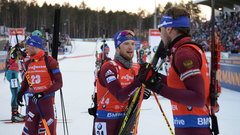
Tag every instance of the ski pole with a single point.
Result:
(32, 89)
(131, 113)
(139, 107)
(163, 114)
(63, 113)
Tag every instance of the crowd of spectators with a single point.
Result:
(227, 29)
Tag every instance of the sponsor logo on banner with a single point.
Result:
(155, 33)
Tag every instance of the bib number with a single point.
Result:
(35, 79)
(105, 101)
(100, 128)
(14, 83)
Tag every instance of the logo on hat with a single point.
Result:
(129, 36)
(119, 42)
(164, 23)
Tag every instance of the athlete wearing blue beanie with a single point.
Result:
(122, 36)
(35, 41)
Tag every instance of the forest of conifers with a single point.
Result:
(82, 21)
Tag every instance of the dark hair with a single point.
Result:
(175, 12)
(102, 46)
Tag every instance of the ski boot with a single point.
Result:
(16, 116)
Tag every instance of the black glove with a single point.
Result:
(157, 87)
(19, 98)
(158, 75)
(147, 75)
(147, 93)
(37, 96)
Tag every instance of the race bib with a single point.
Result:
(14, 83)
(100, 128)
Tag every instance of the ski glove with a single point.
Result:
(19, 98)
(37, 96)
(147, 75)
(147, 93)
(157, 87)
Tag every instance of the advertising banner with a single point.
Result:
(12, 36)
(154, 40)
(229, 74)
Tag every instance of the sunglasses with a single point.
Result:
(127, 32)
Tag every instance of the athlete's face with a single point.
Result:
(165, 36)
(31, 50)
(106, 51)
(126, 49)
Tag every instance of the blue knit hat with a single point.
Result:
(122, 36)
(35, 41)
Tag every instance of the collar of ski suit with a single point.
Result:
(178, 41)
(38, 56)
(126, 63)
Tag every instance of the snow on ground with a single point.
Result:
(77, 71)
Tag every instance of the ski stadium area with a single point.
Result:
(77, 70)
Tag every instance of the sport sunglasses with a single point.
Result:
(127, 32)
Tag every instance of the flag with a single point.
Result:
(204, 18)
(216, 20)
(192, 21)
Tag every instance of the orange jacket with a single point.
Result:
(108, 106)
(187, 116)
(136, 67)
(38, 72)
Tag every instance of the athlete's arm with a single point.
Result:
(195, 93)
(54, 67)
(111, 82)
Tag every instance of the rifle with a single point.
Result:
(104, 43)
(215, 58)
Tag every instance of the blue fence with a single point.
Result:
(229, 74)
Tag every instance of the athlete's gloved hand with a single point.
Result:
(147, 75)
(157, 87)
(19, 98)
(37, 96)
(147, 93)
